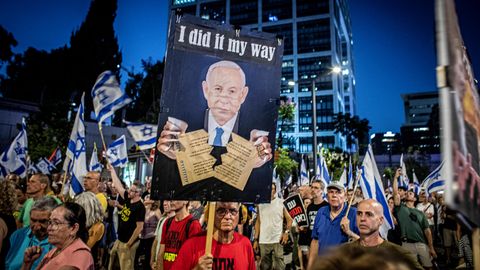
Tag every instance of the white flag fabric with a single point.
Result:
(350, 174)
(372, 188)
(415, 184)
(117, 152)
(288, 181)
(94, 165)
(14, 159)
(343, 177)
(145, 135)
(107, 96)
(403, 179)
(277, 182)
(434, 182)
(45, 166)
(304, 180)
(76, 151)
(322, 170)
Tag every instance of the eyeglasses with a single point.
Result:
(221, 212)
(55, 223)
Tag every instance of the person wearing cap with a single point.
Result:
(332, 224)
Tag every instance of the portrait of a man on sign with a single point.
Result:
(225, 90)
(218, 115)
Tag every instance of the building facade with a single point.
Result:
(421, 131)
(318, 38)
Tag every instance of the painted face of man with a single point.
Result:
(225, 91)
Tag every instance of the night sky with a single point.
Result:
(394, 47)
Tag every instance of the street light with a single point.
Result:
(334, 70)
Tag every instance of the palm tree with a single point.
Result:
(354, 129)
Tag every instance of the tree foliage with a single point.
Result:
(354, 129)
(64, 73)
(7, 41)
(284, 164)
(48, 129)
(57, 78)
(145, 88)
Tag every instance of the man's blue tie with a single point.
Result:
(218, 137)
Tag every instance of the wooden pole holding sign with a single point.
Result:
(476, 248)
(210, 222)
(353, 196)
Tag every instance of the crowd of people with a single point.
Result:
(114, 226)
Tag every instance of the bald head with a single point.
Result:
(369, 217)
(373, 204)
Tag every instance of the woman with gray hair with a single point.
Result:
(94, 213)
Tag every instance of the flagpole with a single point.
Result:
(353, 195)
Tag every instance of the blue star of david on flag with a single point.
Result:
(145, 135)
(76, 151)
(14, 159)
(107, 96)
(117, 152)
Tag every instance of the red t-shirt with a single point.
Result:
(174, 238)
(237, 255)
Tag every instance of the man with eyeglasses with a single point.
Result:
(90, 183)
(414, 228)
(230, 250)
(34, 235)
(130, 223)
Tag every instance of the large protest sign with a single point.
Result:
(296, 209)
(218, 113)
(460, 115)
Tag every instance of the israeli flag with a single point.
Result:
(322, 170)
(304, 179)
(372, 188)
(145, 135)
(415, 185)
(56, 157)
(76, 151)
(14, 159)
(95, 166)
(350, 174)
(434, 182)
(32, 168)
(403, 179)
(107, 96)
(45, 166)
(343, 177)
(117, 152)
(277, 182)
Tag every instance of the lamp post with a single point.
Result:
(334, 70)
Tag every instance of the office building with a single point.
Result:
(421, 131)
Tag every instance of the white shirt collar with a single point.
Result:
(227, 128)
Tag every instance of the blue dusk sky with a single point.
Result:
(394, 46)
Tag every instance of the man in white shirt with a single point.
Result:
(270, 236)
(427, 208)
